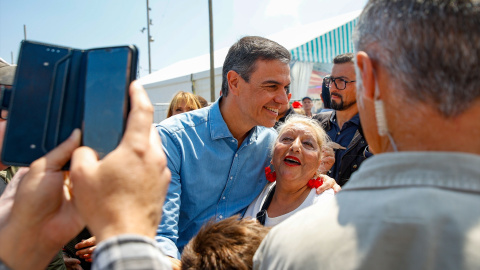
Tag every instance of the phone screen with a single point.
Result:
(106, 98)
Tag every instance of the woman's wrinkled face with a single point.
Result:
(181, 108)
(296, 154)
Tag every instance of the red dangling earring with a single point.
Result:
(271, 176)
(314, 183)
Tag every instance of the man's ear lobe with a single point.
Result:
(233, 79)
(366, 67)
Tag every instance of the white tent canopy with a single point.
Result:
(316, 42)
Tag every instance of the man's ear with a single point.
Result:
(233, 79)
(366, 67)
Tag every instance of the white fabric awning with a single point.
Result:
(315, 42)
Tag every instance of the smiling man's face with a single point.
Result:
(264, 94)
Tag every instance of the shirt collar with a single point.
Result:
(218, 127)
(450, 170)
(354, 120)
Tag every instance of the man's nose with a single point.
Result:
(281, 98)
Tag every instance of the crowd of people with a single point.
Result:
(384, 179)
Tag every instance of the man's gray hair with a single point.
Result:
(244, 53)
(431, 49)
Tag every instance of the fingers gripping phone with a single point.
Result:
(57, 89)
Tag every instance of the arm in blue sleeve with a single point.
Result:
(167, 232)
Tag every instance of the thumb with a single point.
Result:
(58, 157)
(83, 159)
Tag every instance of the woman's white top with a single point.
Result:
(311, 199)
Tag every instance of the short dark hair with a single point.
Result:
(306, 98)
(429, 48)
(243, 55)
(227, 244)
(343, 58)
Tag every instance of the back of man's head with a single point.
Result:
(430, 49)
(227, 244)
(244, 53)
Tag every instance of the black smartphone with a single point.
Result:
(107, 81)
(57, 89)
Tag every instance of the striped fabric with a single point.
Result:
(325, 47)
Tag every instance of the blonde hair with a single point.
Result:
(189, 99)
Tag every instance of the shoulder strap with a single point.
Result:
(262, 215)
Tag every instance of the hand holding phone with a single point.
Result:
(57, 89)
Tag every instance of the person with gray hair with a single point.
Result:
(298, 165)
(412, 205)
(217, 154)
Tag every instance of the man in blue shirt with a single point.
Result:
(217, 154)
(343, 123)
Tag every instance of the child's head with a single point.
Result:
(227, 244)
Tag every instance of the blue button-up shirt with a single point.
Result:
(343, 137)
(211, 176)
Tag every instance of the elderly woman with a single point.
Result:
(183, 102)
(297, 164)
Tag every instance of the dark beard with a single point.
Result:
(340, 106)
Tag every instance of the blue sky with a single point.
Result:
(180, 27)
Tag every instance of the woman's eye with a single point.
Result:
(179, 110)
(309, 144)
(286, 139)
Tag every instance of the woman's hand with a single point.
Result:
(328, 159)
(328, 183)
(176, 264)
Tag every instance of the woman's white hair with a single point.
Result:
(320, 136)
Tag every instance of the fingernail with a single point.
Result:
(75, 134)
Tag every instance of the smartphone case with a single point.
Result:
(48, 99)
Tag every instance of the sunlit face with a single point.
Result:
(181, 108)
(262, 97)
(343, 99)
(307, 104)
(296, 154)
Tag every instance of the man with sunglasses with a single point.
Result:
(343, 123)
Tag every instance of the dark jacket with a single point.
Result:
(355, 154)
(282, 119)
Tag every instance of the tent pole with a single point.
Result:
(212, 69)
(149, 39)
